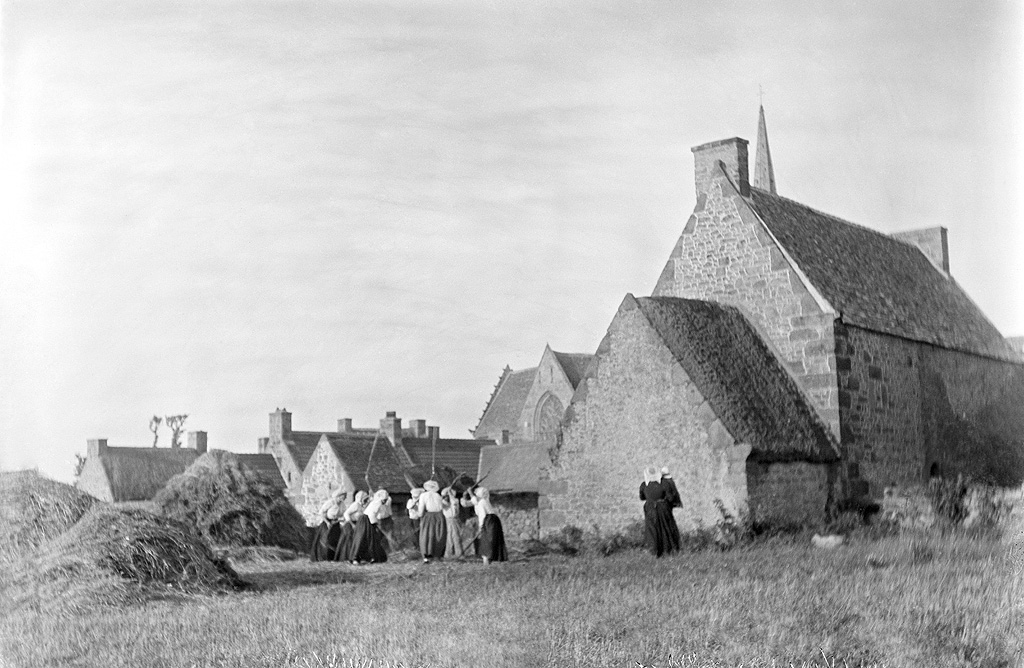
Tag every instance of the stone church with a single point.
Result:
(787, 361)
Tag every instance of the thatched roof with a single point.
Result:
(503, 409)
(745, 384)
(265, 466)
(878, 282)
(137, 474)
(460, 455)
(513, 468)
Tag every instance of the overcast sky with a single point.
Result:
(220, 208)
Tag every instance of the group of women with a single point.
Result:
(354, 534)
(362, 531)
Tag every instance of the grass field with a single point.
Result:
(912, 600)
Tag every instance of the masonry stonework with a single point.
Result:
(726, 255)
(520, 518)
(788, 493)
(641, 409)
(323, 474)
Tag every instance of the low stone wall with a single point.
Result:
(520, 518)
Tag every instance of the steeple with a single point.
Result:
(764, 174)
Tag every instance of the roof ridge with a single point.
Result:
(828, 215)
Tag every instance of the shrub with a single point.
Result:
(232, 505)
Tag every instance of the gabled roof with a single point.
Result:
(512, 468)
(740, 377)
(354, 452)
(506, 404)
(460, 455)
(574, 365)
(302, 444)
(878, 282)
(265, 465)
(137, 474)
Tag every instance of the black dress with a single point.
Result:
(367, 542)
(491, 542)
(325, 541)
(660, 526)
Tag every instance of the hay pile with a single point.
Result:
(233, 506)
(116, 556)
(34, 509)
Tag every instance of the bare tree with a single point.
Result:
(154, 425)
(175, 423)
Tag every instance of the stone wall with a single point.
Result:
(909, 409)
(725, 254)
(880, 409)
(788, 493)
(640, 410)
(324, 474)
(520, 517)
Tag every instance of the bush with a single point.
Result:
(232, 505)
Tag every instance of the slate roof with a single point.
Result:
(302, 444)
(137, 474)
(574, 365)
(512, 468)
(460, 455)
(354, 450)
(739, 376)
(502, 411)
(265, 465)
(878, 282)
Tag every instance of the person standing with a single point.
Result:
(325, 538)
(671, 491)
(414, 514)
(660, 527)
(357, 547)
(453, 548)
(490, 541)
(433, 532)
(375, 538)
(386, 521)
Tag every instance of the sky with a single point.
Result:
(219, 208)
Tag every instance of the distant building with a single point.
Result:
(118, 474)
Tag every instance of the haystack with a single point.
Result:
(116, 556)
(34, 509)
(231, 505)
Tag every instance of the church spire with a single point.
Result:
(764, 174)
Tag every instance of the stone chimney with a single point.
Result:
(345, 425)
(197, 441)
(433, 433)
(280, 424)
(95, 447)
(932, 242)
(418, 428)
(732, 153)
(263, 445)
(392, 428)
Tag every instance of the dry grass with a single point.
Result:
(34, 509)
(113, 557)
(911, 600)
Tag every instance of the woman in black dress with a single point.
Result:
(660, 526)
(325, 538)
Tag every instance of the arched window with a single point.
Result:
(549, 418)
